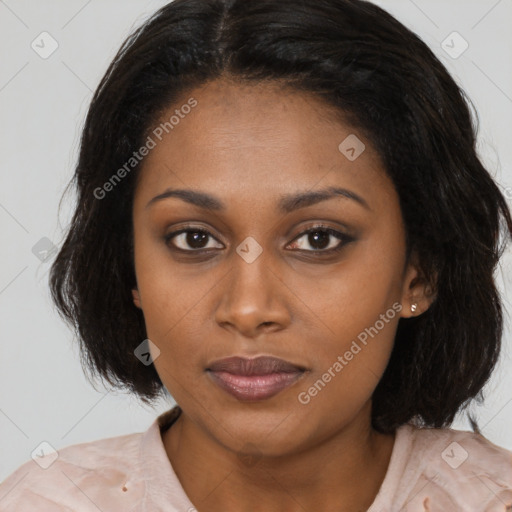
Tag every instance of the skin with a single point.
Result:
(248, 145)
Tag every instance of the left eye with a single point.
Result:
(318, 238)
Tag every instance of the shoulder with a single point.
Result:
(457, 470)
(88, 476)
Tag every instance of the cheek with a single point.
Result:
(351, 357)
(352, 296)
(175, 300)
(356, 311)
(164, 299)
(172, 318)
(357, 325)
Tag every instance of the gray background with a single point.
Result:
(44, 395)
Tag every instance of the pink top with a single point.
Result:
(431, 470)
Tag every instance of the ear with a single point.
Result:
(136, 298)
(416, 290)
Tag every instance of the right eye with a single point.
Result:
(193, 238)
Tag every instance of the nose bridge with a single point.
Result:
(251, 294)
(251, 276)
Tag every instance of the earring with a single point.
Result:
(413, 307)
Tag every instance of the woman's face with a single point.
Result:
(261, 285)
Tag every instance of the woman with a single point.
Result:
(283, 223)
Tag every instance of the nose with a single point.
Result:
(253, 299)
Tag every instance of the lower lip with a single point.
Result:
(254, 387)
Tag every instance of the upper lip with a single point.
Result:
(262, 365)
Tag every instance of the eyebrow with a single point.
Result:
(287, 203)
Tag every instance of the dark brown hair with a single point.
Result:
(388, 83)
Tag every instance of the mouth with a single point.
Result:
(254, 379)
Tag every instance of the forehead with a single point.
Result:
(257, 140)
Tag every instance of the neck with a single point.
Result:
(342, 473)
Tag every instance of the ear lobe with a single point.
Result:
(416, 290)
(136, 298)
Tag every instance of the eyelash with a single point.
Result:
(344, 239)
